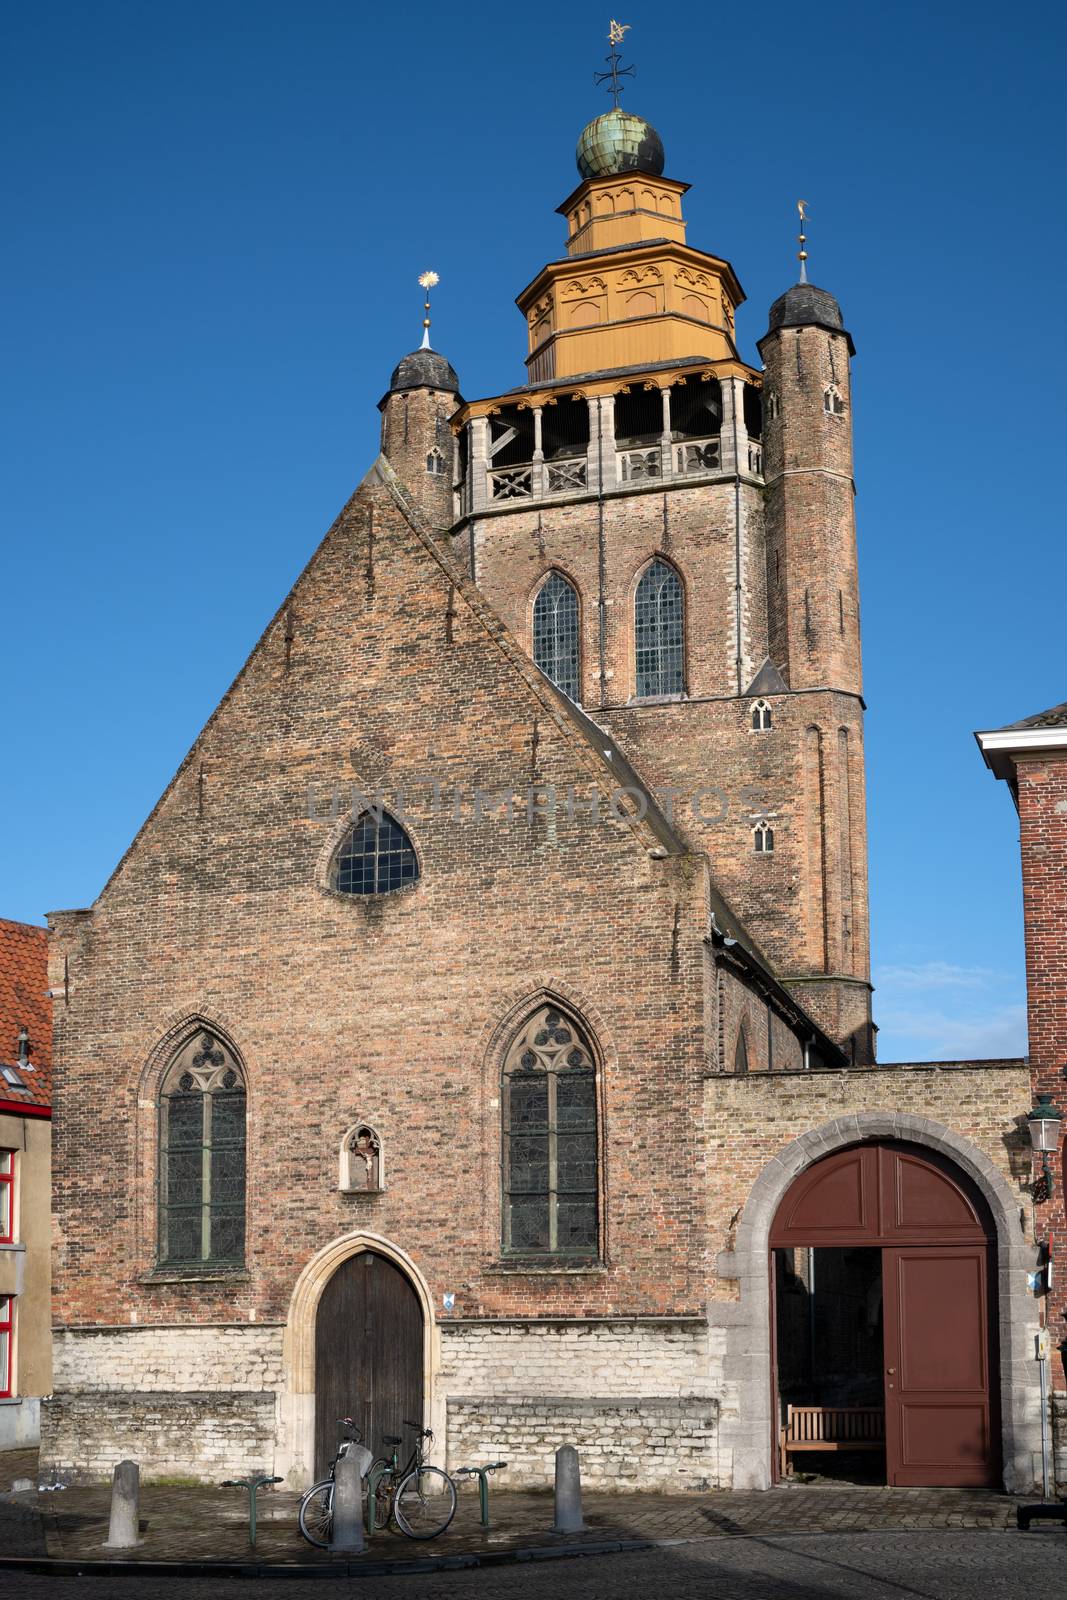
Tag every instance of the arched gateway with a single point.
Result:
(883, 1283)
(368, 1354)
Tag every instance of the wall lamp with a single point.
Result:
(1045, 1124)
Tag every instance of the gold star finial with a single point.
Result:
(802, 254)
(615, 71)
(428, 280)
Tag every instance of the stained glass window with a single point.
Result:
(375, 857)
(659, 631)
(550, 1141)
(202, 1157)
(555, 634)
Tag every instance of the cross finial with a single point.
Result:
(428, 280)
(615, 71)
(802, 254)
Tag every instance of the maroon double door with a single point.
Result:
(939, 1354)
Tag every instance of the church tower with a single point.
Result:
(416, 437)
(668, 531)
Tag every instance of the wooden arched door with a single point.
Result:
(937, 1245)
(368, 1354)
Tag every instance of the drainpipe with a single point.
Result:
(601, 562)
(735, 386)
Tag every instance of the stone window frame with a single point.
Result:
(435, 463)
(342, 825)
(833, 401)
(540, 1259)
(644, 566)
(349, 1158)
(763, 838)
(558, 571)
(144, 1169)
(761, 716)
(214, 1073)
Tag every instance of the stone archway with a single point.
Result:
(296, 1431)
(746, 1322)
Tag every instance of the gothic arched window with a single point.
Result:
(761, 717)
(659, 627)
(202, 1157)
(763, 838)
(741, 1052)
(550, 1199)
(555, 633)
(376, 856)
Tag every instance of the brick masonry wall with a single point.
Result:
(220, 911)
(807, 903)
(1042, 790)
(980, 1101)
(651, 1443)
(204, 1437)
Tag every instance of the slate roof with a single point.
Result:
(23, 981)
(1055, 717)
(807, 306)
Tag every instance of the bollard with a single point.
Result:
(347, 1530)
(124, 1530)
(568, 1491)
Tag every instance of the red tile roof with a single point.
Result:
(23, 1003)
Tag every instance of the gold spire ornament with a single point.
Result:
(428, 280)
(616, 32)
(802, 254)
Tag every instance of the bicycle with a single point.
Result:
(420, 1500)
(316, 1504)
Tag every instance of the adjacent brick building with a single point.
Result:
(25, 1181)
(498, 956)
(1031, 756)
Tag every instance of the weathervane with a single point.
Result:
(615, 71)
(429, 280)
(802, 254)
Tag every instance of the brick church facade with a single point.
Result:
(496, 964)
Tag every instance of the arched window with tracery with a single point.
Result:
(550, 1199)
(555, 633)
(659, 631)
(202, 1156)
(375, 857)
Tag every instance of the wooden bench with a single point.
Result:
(830, 1428)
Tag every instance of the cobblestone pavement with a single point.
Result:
(185, 1524)
(905, 1565)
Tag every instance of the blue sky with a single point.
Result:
(219, 213)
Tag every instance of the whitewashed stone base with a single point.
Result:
(639, 1398)
(203, 1437)
(654, 1442)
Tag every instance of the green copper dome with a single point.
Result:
(619, 142)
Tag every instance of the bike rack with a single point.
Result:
(374, 1478)
(252, 1485)
(482, 1474)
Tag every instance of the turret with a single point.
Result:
(813, 591)
(416, 438)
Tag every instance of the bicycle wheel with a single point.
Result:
(316, 1514)
(425, 1503)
